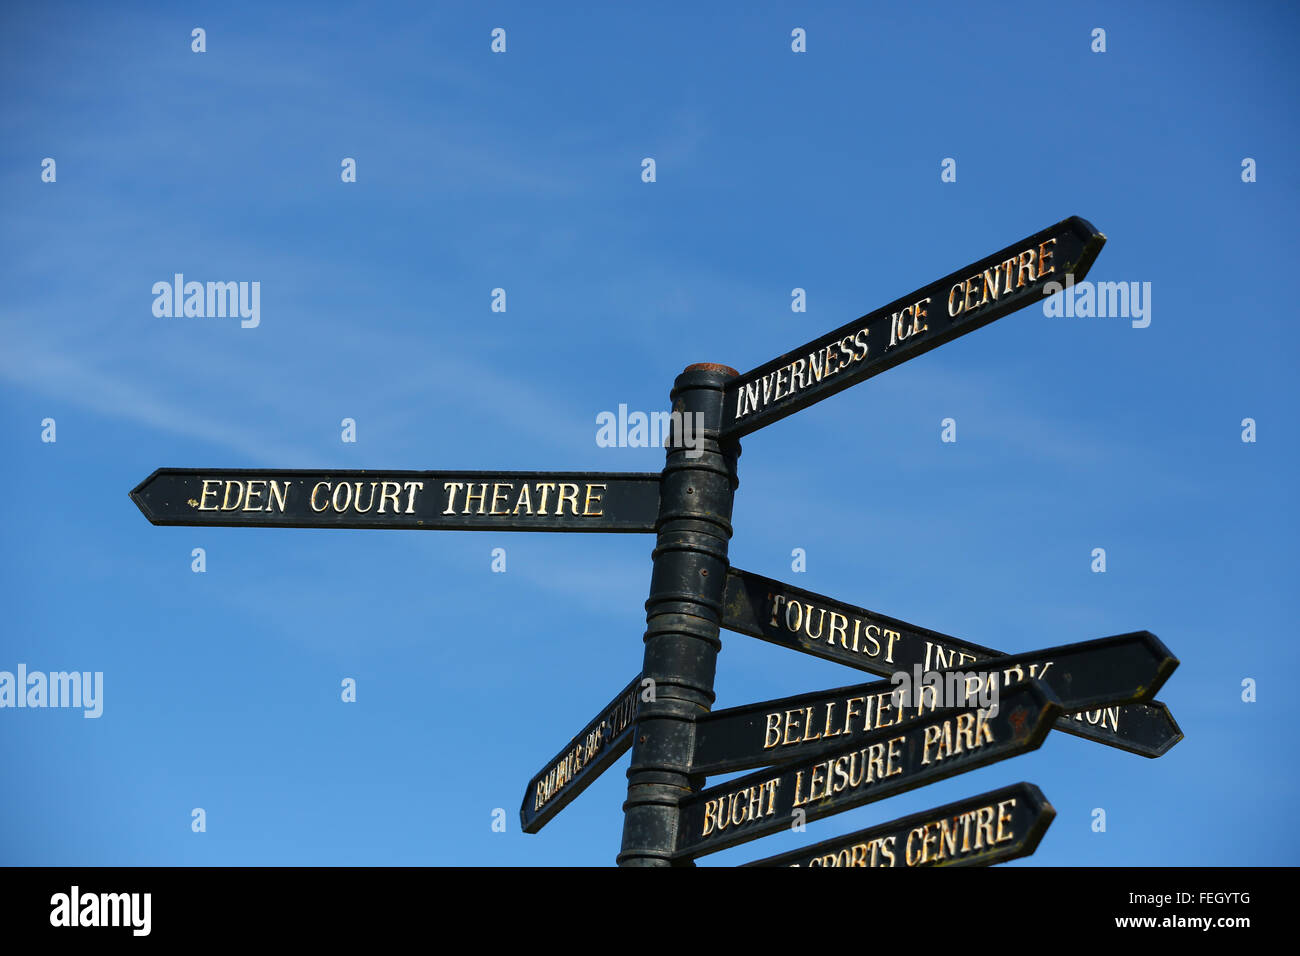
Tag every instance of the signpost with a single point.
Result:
(814, 624)
(582, 759)
(978, 831)
(825, 752)
(876, 765)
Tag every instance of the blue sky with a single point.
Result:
(522, 170)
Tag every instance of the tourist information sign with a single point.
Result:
(874, 766)
(815, 624)
(991, 828)
(582, 759)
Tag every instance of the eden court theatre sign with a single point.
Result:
(814, 754)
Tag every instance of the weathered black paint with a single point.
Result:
(1077, 245)
(751, 607)
(1030, 816)
(172, 496)
(1023, 720)
(612, 742)
(1090, 674)
(681, 639)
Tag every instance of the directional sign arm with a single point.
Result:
(979, 831)
(965, 300)
(877, 765)
(439, 500)
(1146, 729)
(865, 640)
(582, 760)
(1102, 673)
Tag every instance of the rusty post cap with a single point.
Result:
(711, 367)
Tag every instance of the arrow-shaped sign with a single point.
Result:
(442, 500)
(979, 831)
(815, 624)
(582, 760)
(1010, 279)
(1100, 673)
(871, 767)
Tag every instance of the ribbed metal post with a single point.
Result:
(682, 615)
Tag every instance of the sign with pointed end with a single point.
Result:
(1102, 673)
(1019, 275)
(435, 500)
(582, 760)
(991, 828)
(872, 767)
(834, 630)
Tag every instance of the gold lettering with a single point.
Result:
(411, 488)
(773, 727)
(918, 314)
(984, 827)
(990, 282)
(451, 487)
(356, 501)
(790, 724)
(319, 485)
(278, 494)
(1043, 255)
(203, 498)
(568, 493)
(953, 313)
(894, 753)
(385, 496)
(933, 734)
(498, 495)
(248, 498)
(1026, 265)
(947, 837)
(481, 496)
(889, 654)
(808, 718)
(1004, 815)
(225, 499)
(839, 623)
(875, 762)
(592, 499)
(913, 859)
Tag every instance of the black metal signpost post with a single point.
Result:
(682, 615)
(823, 752)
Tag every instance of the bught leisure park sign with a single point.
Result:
(811, 755)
